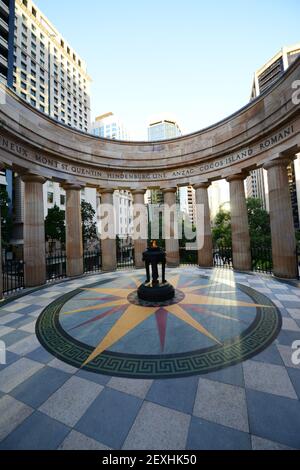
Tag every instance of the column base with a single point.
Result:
(75, 267)
(172, 265)
(108, 269)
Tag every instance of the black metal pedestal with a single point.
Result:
(157, 293)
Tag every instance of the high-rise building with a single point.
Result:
(46, 72)
(7, 19)
(264, 78)
(111, 127)
(272, 70)
(163, 128)
(256, 186)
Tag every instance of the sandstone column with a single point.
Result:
(140, 221)
(170, 227)
(241, 251)
(74, 243)
(281, 219)
(204, 236)
(1, 278)
(108, 230)
(34, 231)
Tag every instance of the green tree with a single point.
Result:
(258, 220)
(259, 223)
(221, 230)
(6, 219)
(55, 227)
(89, 226)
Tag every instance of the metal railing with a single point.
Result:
(262, 259)
(92, 261)
(188, 257)
(125, 257)
(12, 275)
(222, 257)
(56, 264)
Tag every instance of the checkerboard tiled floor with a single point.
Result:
(46, 404)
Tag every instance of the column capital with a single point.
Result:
(237, 177)
(282, 162)
(72, 186)
(32, 178)
(105, 190)
(169, 190)
(138, 191)
(203, 185)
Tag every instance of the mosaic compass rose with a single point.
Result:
(105, 328)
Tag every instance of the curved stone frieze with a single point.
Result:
(264, 129)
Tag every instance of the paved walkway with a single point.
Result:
(46, 403)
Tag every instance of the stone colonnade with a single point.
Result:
(282, 228)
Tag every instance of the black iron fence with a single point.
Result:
(12, 275)
(188, 257)
(56, 264)
(262, 259)
(92, 261)
(125, 257)
(222, 256)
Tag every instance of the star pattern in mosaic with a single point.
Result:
(193, 303)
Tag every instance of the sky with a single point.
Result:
(191, 59)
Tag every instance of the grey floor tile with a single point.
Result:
(24, 320)
(7, 317)
(110, 417)
(10, 359)
(29, 327)
(14, 337)
(4, 330)
(294, 312)
(233, 375)
(15, 306)
(12, 413)
(38, 388)
(268, 378)
(57, 364)
(274, 418)
(178, 394)
(286, 353)
(38, 432)
(158, 428)
(97, 378)
(16, 373)
(77, 441)
(204, 435)
(286, 338)
(27, 310)
(25, 346)
(40, 355)
(270, 355)
(137, 387)
(71, 401)
(295, 378)
(290, 324)
(221, 403)
(264, 444)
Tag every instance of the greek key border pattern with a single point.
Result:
(260, 334)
